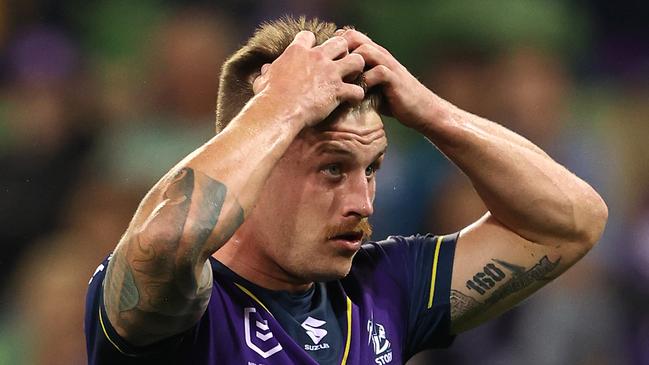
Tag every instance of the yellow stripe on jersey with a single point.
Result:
(254, 297)
(103, 327)
(349, 332)
(433, 276)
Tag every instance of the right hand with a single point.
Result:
(310, 79)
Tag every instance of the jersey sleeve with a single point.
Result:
(105, 346)
(430, 310)
(424, 266)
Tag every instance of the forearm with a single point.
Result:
(159, 280)
(520, 184)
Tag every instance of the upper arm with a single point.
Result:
(159, 280)
(495, 269)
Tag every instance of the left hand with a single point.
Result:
(408, 99)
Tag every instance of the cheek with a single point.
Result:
(315, 207)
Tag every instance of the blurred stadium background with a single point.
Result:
(99, 98)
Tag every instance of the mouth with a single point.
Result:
(349, 241)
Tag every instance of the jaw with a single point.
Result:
(275, 270)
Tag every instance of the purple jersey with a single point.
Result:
(393, 304)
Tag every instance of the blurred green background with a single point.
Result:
(98, 99)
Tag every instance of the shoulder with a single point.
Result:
(401, 247)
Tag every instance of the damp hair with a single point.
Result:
(267, 44)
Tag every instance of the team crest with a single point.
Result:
(379, 342)
(262, 342)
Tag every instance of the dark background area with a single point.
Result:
(98, 99)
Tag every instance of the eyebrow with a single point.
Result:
(328, 148)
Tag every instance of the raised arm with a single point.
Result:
(541, 218)
(159, 279)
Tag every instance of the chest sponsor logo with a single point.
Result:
(263, 342)
(313, 329)
(379, 342)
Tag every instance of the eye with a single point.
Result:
(371, 170)
(333, 170)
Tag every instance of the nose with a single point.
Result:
(358, 197)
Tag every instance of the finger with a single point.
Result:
(304, 38)
(351, 93)
(260, 81)
(373, 56)
(377, 75)
(258, 85)
(334, 47)
(264, 68)
(355, 39)
(350, 64)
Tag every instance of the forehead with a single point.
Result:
(351, 131)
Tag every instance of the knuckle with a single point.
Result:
(366, 47)
(338, 39)
(317, 55)
(305, 33)
(382, 70)
(294, 47)
(357, 58)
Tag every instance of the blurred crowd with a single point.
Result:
(99, 99)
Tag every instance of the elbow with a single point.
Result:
(592, 225)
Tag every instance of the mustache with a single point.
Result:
(363, 226)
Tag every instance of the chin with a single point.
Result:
(333, 271)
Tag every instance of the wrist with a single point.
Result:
(436, 116)
(274, 109)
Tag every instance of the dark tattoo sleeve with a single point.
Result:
(158, 282)
(129, 296)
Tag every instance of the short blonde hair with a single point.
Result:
(269, 42)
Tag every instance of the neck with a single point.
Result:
(250, 263)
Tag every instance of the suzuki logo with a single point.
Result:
(311, 326)
(262, 332)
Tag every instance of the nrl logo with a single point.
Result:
(262, 333)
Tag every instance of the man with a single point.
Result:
(253, 249)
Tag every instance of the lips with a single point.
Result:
(347, 242)
(351, 236)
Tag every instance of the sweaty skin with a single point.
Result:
(279, 196)
(324, 182)
(541, 218)
(158, 282)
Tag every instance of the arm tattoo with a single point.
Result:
(156, 278)
(522, 279)
(464, 305)
(461, 303)
(129, 296)
(485, 279)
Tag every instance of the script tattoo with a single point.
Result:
(521, 278)
(158, 269)
(464, 305)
